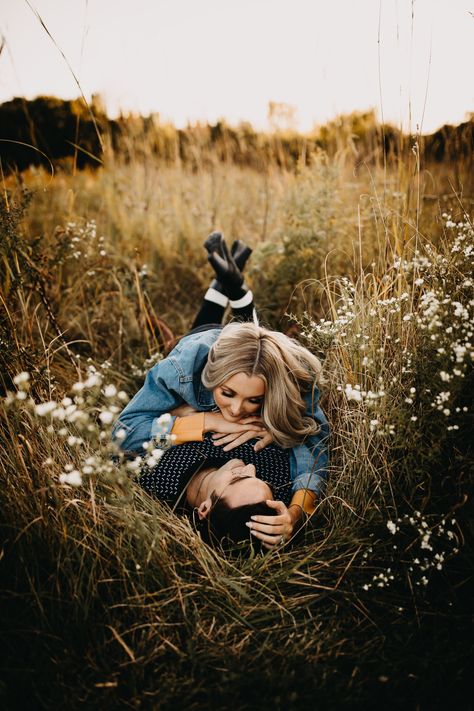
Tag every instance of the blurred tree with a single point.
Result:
(58, 128)
(282, 117)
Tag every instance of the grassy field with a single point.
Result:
(108, 600)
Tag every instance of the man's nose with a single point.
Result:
(249, 470)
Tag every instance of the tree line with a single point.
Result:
(51, 130)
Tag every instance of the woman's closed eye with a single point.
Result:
(253, 400)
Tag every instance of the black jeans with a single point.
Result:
(210, 315)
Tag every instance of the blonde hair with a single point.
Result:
(287, 369)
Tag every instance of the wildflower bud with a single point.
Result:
(45, 408)
(73, 478)
(106, 417)
(21, 378)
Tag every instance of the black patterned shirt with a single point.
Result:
(168, 479)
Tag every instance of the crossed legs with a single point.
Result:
(228, 288)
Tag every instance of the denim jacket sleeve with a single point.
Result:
(171, 382)
(139, 419)
(309, 460)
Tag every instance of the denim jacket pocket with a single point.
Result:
(205, 398)
(177, 366)
(185, 379)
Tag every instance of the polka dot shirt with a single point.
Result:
(167, 480)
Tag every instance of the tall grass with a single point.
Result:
(111, 600)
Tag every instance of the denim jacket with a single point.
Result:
(177, 379)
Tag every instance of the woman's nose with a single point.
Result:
(235, 409)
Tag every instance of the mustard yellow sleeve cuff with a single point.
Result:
(306, 499)
(188, 429)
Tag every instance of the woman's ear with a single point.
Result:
(204, 508)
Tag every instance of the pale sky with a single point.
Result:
(202, 60)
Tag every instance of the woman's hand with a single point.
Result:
(276, 530)
(232, 434)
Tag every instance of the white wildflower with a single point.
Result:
(134, 464)
(164, 420)
(73, 478)
(92, 381)
(353, 393)
(392, 527)
(72, 440)
(45, 408)
(106, 417)
(21, 378)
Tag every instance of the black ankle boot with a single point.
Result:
(229, 278)
(241, 252)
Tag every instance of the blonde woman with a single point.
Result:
(239, 384)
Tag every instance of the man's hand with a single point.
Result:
(276, 530)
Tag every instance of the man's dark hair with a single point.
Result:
(225, 526)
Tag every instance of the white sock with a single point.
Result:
(216, 297)
(246, 300)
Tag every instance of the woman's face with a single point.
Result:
(239, 396)
(237, 484)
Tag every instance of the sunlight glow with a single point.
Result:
(204, 60)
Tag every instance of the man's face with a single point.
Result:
(237, 484)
